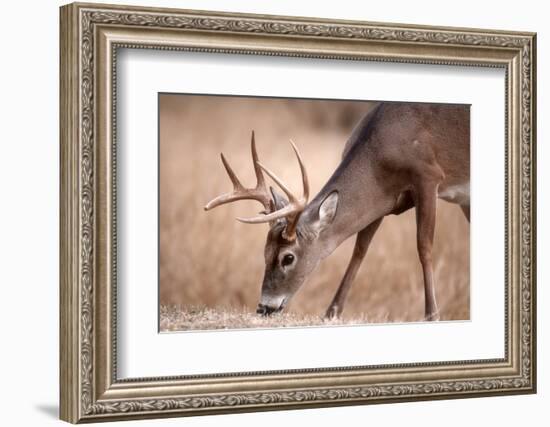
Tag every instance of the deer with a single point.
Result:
(399, 156)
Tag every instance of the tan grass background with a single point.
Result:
(211, 265)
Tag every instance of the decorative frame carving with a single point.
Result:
(90, 36)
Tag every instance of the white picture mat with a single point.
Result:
(144, 352)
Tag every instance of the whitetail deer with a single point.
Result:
(399, 156)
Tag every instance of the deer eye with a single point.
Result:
(287, 260)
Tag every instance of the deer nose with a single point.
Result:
(265, 310)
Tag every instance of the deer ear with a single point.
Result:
(327, 211)
(278, 199)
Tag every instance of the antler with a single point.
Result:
(295, 206)
(239, 192)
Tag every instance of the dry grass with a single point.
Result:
(212, 264)
(183, 318)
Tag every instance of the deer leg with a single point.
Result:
(362, 242)
(425, 226)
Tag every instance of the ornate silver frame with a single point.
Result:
(90, 36)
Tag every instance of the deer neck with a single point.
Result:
(361, 201)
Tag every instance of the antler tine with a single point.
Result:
(305, 181)
(232, 176)
(239, 192)
(260, 180)
(291, 197)
(259, 219)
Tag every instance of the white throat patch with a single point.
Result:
(459, 194)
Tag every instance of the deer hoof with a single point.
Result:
(433, 317)
(333, 312)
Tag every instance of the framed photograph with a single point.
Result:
(266, 212)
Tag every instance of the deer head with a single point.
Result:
(291, 250)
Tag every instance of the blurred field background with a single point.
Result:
(211, 266)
